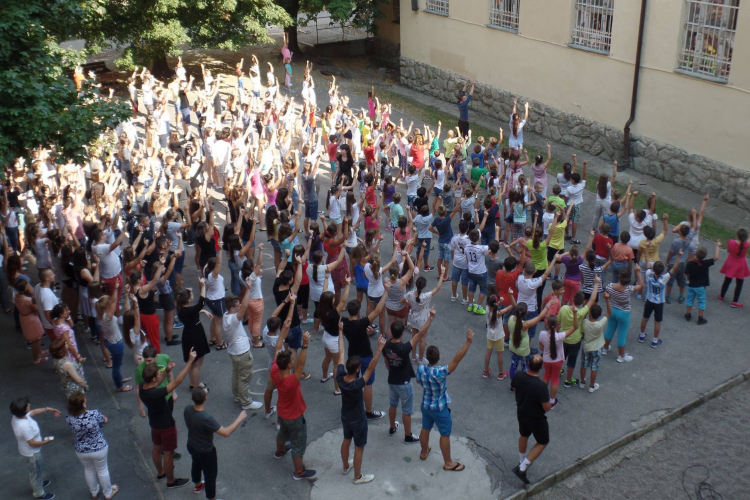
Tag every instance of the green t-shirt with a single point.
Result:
(477, 175)
(538, 255)
(523, 348)
(565, 316)
(162, 361)
(556, 200)
(558, 236)
(396, 212)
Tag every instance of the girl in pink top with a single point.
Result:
(539, 168)
(735, 267)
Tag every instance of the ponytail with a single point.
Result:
(521, 309)
(741, 239)
(552, 329)
(492, 303)
(421, 283)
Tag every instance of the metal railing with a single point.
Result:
(593, 24)
(437, 6)
(708, 37)
(504, 14)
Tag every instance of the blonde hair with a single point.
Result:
(102, 304)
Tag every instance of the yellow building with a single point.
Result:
(574, 61)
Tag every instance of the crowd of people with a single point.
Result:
(93, 251)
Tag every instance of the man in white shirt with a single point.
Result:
(30, 442)
(45, 299)
(221, 153)
(238, 348)
(529, 289)
(110, 269)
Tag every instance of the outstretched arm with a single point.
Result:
(461, 352)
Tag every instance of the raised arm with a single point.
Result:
(461, 352)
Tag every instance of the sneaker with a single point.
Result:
(375, 415)
(411, 439)
(393, 430)
(427, 269)
(190, 244)
(255, 405)
(521, 474)
(159, 479)
(308, 474)
(502, 376)
(364, 478)
(506, 344)
(689, 316)
(567, 237)
(268, 415)
(178, 324)
(605, 350)
(582, 384)
(570, 383)
(575, 241)
(453, 298)
(737, 305)
(702, 321)
(464, 301)
(199, 488)
(668, 299)
(641, 337)
(423, 361)
(471, 308)
(681, 299)
(480, 310)
(721, 299)
(625, 359)
(485, 374)
(178, 483)
(278, 455)
(639, 295)
(655, 343)
(345, 471)
(174, 342)
(593, 388)
(554, 405)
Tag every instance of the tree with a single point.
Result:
(152, 30)
(39, 103)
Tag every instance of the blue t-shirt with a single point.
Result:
(422, 225)
(443, 226)
(614, 224)
(360, 280)
(489, 227)
(463, 109)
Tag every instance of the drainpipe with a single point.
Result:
(636, 77)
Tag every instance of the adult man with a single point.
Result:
(201, 428)
(285, 283)
(527, 291)
(532, 402)
(45, 299)
(291, 405)
(353, 415)
(400, 373)
(162, 362)
(163, 429)
(221, 153)
(233, 333)
(463, 109)
(110, 268)
(357, 332)
(30, 442)
(435, 401)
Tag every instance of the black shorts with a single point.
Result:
(551, 252)
(166, 300)
(356, 430)
(348, 134)
(571, 353)
(509, 219)
(303, 296)
(657, 309)
(537, 426)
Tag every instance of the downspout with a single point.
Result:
(636, 77)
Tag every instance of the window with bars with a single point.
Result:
(708, 38)
(504, 14)
(593, 25)
(437, 6)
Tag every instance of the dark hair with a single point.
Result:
(649, 232)
(520, 313)
(614, 207)
(552, 325)
(18, 406)
(575, 177)
(76, 404)
(595, 312)
(741, 239)
(58, 348)
(601, 186)
(537, 237)
(149, 352)
(353, 307)
(230, 301)
(510, 263)
(353, 364)
(535, 363)
(150, 372)
(492, 304)
(198, 395)
(591, 259)
(624, 237)
(658, 268)
(701, 253)
(284, 359)
(624, 277)
(273, 324)
(432, 354)
(397, 329)
(578, 299)
(420, 284)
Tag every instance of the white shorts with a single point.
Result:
(330, 342)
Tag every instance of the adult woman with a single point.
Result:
(134, 337)
(329, 313)
(166, 297)
(29, 319)
(204, 239)
(90, 446)
(272, 228)
(735, 267)
(215, 299)
(332, 245)
(618, 296)
(70, 374)
(397, 310)
(251, 283)
(106, 306)
(194, 336)
(515, 138)
(144, 294)
(320, 281)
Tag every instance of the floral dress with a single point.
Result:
(68, 384)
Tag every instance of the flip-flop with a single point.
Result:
(108, 367)
(222, 346)
(326, 378)
(125, 380)
(212, 343)
(429, 449)
(125, 388)
(456, 468)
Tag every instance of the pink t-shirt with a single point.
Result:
(544, 338)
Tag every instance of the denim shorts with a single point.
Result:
(294, 339)
(437, 192)
(410, 200)
(591, 359)
(460, 274)
(403, 393)
(426, 248)
(696, 294)
(444, 252)
(311, 210)
(440, 418)
(478, 280)
(363, 367)
(275, 245)
(216, 307)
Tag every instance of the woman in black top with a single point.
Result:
(193, 336)
(146, 304)
(346, 164)
(204, 233)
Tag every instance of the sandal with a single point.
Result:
(326, 378)
(222, 346)
(212, 343)
(259, 345)
(456, 468)
(125, 380)
(429, 449)
(108, 367)
(125, 388)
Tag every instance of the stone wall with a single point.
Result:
(651, 157)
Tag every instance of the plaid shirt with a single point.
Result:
(432, 379)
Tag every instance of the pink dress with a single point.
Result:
(270, 197)
(736, 265)
(257, 184)
(540, 175)
(31, 326)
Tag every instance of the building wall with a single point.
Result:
(689, 122)
(386, 45)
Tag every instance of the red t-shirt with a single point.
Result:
(370, 197)
(291, 404)
(600, 245)
(554, 304)
(417, 153)
(333, 148)
(505, 280)
(370, 154)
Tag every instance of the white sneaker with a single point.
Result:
(364, 478)
(594, 388)
(350, 467)
(255, 405)
(270, 413)
(423, 362)
(453, 298)
(464, 301)
(625, 359)
(605, 350)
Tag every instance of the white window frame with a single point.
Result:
(504, 15)
(592, 25)
(440, 7)
(711, 22)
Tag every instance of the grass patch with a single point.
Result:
(710, 230)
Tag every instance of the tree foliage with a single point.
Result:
(39, 104)
(359, 13)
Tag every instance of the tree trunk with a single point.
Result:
(291, 31)
(160, 67)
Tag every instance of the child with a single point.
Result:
(572, 343)
(519, 337)
(395, 211)
(697, 274)
(441, 226)
(333, 148)
(507, 278)
(575, 195)
(603, 243)
(448, 198)
(370, 154)
(332, 204)
(412, 182)
(419, 312)
(556, 200)
(460, 262)
(475, 253)
(495, 335)
(439, 176)
(590, 271)
(689, 222)
(422, 224)
(654, 281)
(357, 259)
(288, 74)
(613, 217)
(494, 264)
(421, 200)
(572, 278)
(371, 198)
(622, 255)
(680, 245)
(650, 242)
(593, 339)
(553, 353)
(553, 301)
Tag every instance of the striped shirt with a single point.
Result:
(620, 299)
(432, 379)
(656, 287)
(587, 277)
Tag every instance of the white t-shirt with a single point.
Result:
(475, 256)
(139, 344)
(109, 264)
(412, 183)
(375, 286)
(439, 178)
(25, 430)
(575, 192)
(45, 299)
(527, 291)
(545, 339)
(636, 229)
(547, 219)
(234, 335)
(214, 287)
(608, 197)
(458, 245)
(173, 229)
(43, 257)
(316, 286)
(255, 286)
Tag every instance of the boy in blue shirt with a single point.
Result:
(442, 227)
(655, 283)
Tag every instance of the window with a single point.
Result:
(504, 14)
(437, 7)
(593, 28)
(709, 38)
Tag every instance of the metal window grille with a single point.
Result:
(504, 14)
(438, 6)
(708, 38)
(593, 24)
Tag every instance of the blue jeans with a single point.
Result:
(529, 316)
(426, 248)
(116, 352)
(517, 362)
(617, 266)
(35, 465)
(234, 274)
(12, 234)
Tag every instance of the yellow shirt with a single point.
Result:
(653, 252)
(558, 236)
